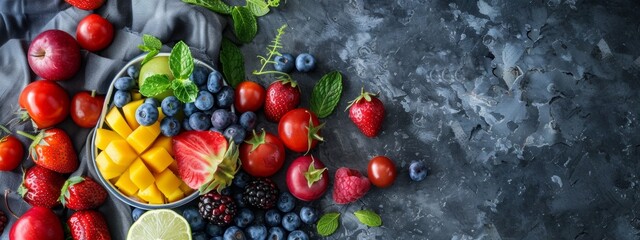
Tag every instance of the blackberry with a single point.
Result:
(3, 221)
(216, 208)
(261, 193)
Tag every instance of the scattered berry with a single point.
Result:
(199, 235)
(248, 120)
(272, 217)
(305, 62)
(234, 233)
(199, 75)
(238, 198)
(171, 106)
(204, 100)
(221, 118)
(41, 187)
(185, 125)
(152, 101)
(290, 221)
(169, 126)
(86, 4)
(217, 238)
(136, 213)
(284, 63)
(194, 219)
(121, 98)
(82, 193)
(257, 232)
(244, 218)
(214, 230)
(261, 193)
(146, 114)
(88, 224)
(199, 121)
(214, 82)
(189, 108)
(308, 215)
(417, 171)
(133, 72)
(124, 83)
(282, 97)
(349, 185)
(241, 179)
(217, 209)
(298, 235)
(224, 98)
(367, 113)
(276, 233)
(235, 133)
(286, 202)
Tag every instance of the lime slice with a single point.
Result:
(161, 224)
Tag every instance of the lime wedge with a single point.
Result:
(161, 224)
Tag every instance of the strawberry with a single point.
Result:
(86, 4)
(367, 112)
(206, 161)
(41, 187)
(82, 193)
(282, 97)
(52, 149)
(88, 225)
(349, 185)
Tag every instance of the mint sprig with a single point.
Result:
(245, 24)
(368, 217)
(154, 85)
(151, 45)
(259, 8)
(326, 94)
(328, 224)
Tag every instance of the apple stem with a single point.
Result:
(6, 203)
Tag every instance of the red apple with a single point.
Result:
(37, 223)
(54, 55)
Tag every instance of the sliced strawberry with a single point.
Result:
(86, 4)
(349, 185)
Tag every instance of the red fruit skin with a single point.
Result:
(381, 171)
(293, 129)
(11, 153)
(349, 185)
(88, 225)
(58, 154)
(86, 109)
(94, 33)
(249, 96)
(368, 116)
(266, 159)
(281, 98)
(54, 55)
(86, 4)
(87, 194)
(37, 223)
(41, 187)
(46, 102)
(297, 183)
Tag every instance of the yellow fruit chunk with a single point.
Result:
(164, 142)
(151, 194)
(157, 159)
(167, 182)
(186, 189)
(160, 114)
(104, 137)
(141, 138)
(116, 122)
(175, 195)
(136, 96)
(129, 112)
(120, 152)
(107, 167)
(140, 174)
(174, 167)
(125, 184)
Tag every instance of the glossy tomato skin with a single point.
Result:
(94, 33)
(86, 109)
(46, 102)
(297, 183)
(293, 129)
(382, 171)
(11, 153)
(266, 159)
(249, 96)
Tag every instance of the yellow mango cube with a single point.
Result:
(107, 167)
(136, 96)
(167, 182)
(104, 137)
(164, 142)
(140, 174)
(141, 138)
(160, 114)
(116, 122)
(129, 112)
(186, 189)
(125, 185)
(157, 159)
(175, 195)
(151, 194)
(120, 152)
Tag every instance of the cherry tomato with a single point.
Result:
(11, 153)
(46, 102)
(303, 184)
(382, 171)
(94, 33)
(86, 108)
(299, 130)
(249, 96)
(262, 155)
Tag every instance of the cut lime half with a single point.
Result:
(161, 224)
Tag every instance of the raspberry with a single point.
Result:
(349, 185)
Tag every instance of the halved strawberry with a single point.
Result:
(206, 160)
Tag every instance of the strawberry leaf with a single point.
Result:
(328, 224)
(368, 217)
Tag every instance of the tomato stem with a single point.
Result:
(24, 134)
(5, 129)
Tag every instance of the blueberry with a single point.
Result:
(220, 118)
(199, 75)
(233, 117)
(234, 233)
(276, 233)
(284, 63)
(124, 83)
(152, 101)
(136, 213)
(248, 120)
(217, 238)
(235, 133)
(189, 108)
(169, 126)
(238, 198)
(243, 218)
(199, 121)
(146, 114)
(305, 62)
(121, 98)
(214, 230)
(286, 202)
(133, 72)
(194, 219)
(257, 232)
(204, 100)
(272, 217)
(199, 235)
(214, 82)
(417, 171)
(298, 235)
(308, 215)
(171, 106)
(185, 125)
(226, 191)
(290, 221)
(241, 179)
(224, 98)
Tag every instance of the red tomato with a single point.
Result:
(263, 155)
(249, 96)
(307, 187)
(86, 108)
(11, 153)
(46, 103)
(299, 130)
(382, 171)
(94, 32)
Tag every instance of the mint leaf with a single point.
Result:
(181, 61)
(213, 5)
(149, 56)
(154, 85)
(327, 224)
(150, 42)
(258, 7)
(368, 217)
(326, 94)
(244, 24)
(232, 62)
(273, 3)
(184, 89)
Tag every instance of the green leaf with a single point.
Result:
(154, 85)
(258, 7)
(184, 89)
(149, 56)
(244, 24)
(368, 217)
(150, 42)
(273, 3)
(213, 5)
(326, 94)
(312, 174)
(232, 62)
(181, 61)
(328, 224)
